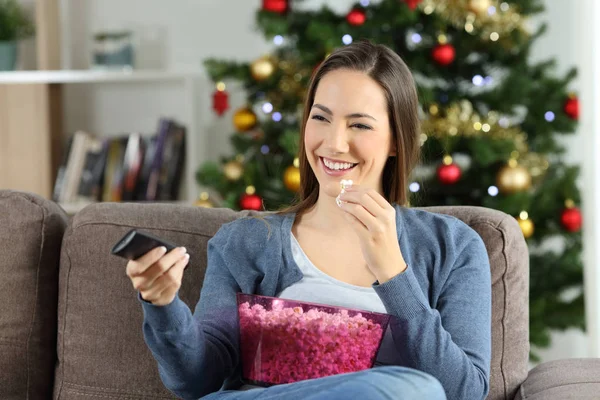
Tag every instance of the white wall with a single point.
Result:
(181, 33)
(562, 41)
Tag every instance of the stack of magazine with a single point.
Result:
(132, 167)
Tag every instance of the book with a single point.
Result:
(165, 126)
(149, 145)
(90, 184)
(74, 168)
(132, 165)
(60, 174)
(113, 171)
(173, 164)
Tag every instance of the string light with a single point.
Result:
(278, 40)
(416, 38)
(267, 108)
(478, 80)
(264, 149)
(364, 3)
(414, 187)
(276, 116)
(347, 39)
(493, 191)
(549, 116)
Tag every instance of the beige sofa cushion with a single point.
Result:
(31, 231)
(563, 379)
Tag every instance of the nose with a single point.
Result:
(336, 140)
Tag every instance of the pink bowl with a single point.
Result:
(285, 341)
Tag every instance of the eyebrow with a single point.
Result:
(353, 115)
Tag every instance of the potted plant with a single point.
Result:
(15, 24)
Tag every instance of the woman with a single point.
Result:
(431, 272)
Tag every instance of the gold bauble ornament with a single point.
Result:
(203, 201)
(526, 225)
(233, 170)
(291, 177)
(262, 69)
(513, 178)
(479, 6)
(244, 119)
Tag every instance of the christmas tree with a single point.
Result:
(490, 122)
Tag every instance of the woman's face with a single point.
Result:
(348, 132)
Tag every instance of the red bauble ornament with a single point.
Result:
(251, 202)
(220, 101)
(356, 17)
(571, 219)
(448, 174)
(276, 6)
(572, 107)
(412, 4)
(443, 54)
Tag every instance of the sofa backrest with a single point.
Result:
(509, 262)
(101, 351)
(31, 231)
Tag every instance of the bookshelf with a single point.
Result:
(27, 95)
(37, 113)
(95, 76)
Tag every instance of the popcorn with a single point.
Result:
(288, 344)
(344, 184)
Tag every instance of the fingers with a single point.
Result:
(364, 199)
(362, 216)
(368, 197)
(162, 266)
(138, 266)
(164, 288)
(369, 208)
(146, 279)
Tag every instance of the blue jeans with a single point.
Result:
(381, 383)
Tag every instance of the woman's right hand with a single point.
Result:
(157, 276)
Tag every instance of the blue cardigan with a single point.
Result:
(441, 304)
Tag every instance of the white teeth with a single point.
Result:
(336, 165)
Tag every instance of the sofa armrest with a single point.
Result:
(575, 378)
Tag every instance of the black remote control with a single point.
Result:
(136, 243)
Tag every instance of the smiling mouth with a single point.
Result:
(337, 166)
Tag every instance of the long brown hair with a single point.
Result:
(389, 70)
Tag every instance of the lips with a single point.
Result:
(335, 172)
(337, 164)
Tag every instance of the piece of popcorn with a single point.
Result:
(345, 183)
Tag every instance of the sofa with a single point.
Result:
(70, 326)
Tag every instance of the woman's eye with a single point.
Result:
(361, 126)
(318, 117)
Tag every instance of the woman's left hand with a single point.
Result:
(374, 221)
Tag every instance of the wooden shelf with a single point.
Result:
(93, 76)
